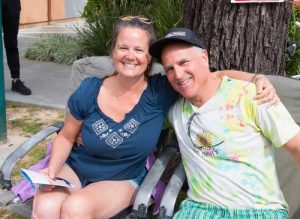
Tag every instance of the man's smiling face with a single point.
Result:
(186, 67)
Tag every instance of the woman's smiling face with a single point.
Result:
(130, 54)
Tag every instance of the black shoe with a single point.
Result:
(19, 87)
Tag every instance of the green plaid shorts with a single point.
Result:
(193, 210)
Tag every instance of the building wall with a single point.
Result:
(35, 11)
(73, 8)
(57, 10)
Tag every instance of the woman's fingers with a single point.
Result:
(79, 139)
(44, 171)
(46, 188)
(259, 83)
(266, 93)
(274, 101)
(43, 187)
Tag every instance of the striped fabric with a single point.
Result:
(195, 210)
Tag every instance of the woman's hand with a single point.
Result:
(43, 187)
(79, 139)
(266, 93)
(265, 90)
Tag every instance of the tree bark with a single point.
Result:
(249, 37)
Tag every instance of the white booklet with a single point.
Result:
(38, 178)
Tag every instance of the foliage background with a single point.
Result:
(101, 15)
(293, 62)
(94, 38)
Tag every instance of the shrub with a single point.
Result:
(57, 48)
(292, 63)
(100, 16)
(94, 38)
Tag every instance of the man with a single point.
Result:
(225, 137)
(10, 20)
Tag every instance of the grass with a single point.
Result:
(27, 125)
(26, 121)
(35, 155)
(30, 121)
(59, 118)
(6, 214)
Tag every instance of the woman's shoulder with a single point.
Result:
(88, 87)
(157, 80)
(157, 83)
(161, 89)
(91, 81)
(157, 76)
(90, 84)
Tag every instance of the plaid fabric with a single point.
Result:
(192, 209)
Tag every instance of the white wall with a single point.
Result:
(73, 8)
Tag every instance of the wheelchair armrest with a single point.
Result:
(171, 192)
(144, 193)
(14, 157)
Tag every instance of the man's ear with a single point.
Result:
(204, 57)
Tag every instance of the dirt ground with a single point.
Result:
(26, 121)
(19, 116)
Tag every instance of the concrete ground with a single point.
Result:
(48, 81)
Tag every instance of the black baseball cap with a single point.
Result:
(175, 35)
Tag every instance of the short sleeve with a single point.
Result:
(163, 91)
(276, 123)
(83, 97)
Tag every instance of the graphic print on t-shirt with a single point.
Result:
(114, 138)
(204, 142)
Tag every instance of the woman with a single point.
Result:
(120, 118)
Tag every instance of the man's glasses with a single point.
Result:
(140, 18)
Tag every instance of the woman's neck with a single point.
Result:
(123, 85)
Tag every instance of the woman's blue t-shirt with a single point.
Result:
(117, 150)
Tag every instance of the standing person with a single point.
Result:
(115, 115)
(226, 139)
(10, 22)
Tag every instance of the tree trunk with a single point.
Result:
(249, 37)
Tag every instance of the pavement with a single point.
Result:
(49, 82)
